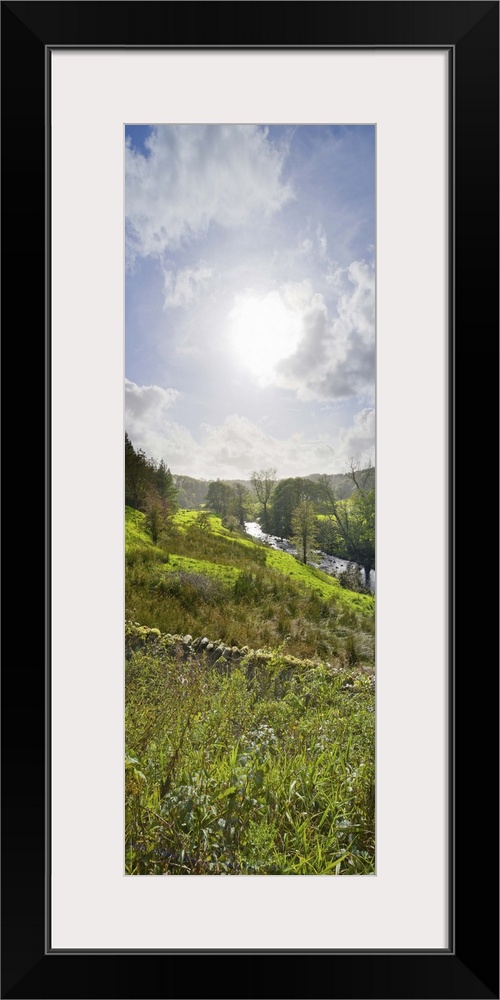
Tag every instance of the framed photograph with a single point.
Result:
(407, 96)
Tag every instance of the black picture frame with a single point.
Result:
(469, 969)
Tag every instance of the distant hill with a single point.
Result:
(344, 485)
(192, 492)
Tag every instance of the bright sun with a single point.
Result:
(263, 332)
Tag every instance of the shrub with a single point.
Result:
(248, 587)
(351, 579)
(231, 522)
(190, 589)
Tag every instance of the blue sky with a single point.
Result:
(250, 297)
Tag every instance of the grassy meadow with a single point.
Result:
(259, 761)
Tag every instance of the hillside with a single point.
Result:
(249, 709)
(205, 579)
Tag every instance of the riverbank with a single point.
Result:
(331, 564)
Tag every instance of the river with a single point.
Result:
(333, 565)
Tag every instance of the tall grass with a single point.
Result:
(267, 768)
(208, 582)
(238, 775)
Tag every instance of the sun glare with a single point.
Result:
(263, 332)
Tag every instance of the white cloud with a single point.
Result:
(237, 446)
(358, 441)
(356, 304)
(297, 294)
(298, 370)
(322, 348)
(145, 409)
(195, 175)
(238, 443)
(335, 357)
(232, 449)
(184, 286)
(148, 424)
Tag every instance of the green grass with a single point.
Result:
(210, 581)
(226, 574)
(236, 775)
(323, 584)
(267, 767)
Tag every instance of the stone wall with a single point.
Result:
(185, 647)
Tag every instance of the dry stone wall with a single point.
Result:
(185, 647)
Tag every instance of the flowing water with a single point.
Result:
(333, 565)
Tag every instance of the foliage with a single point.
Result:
(248, 774)
(228, 500)
(263, 483)
(145, 478)
(266, 767)
(218, 498)
(191, 492)
(240, 505)
(262, 597)
(352, 519)
(286, 498)
(158, 513)
(350, 578)
(136, 475)
(304, 535)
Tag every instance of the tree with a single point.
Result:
(362, 529)
(329, 538)
(264, 483)
(363, 479)
(203, 520)
(219, 497)
(145, 479)
(137, 475)
(158, 514)
(240, 503)
(164, 483)
(286, 497)
(354, 517)
(190, 492)
(304, 528)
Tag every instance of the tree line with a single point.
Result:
(149, 487)
(310, 513)
(317, 514)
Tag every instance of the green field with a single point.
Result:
(263, 764)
